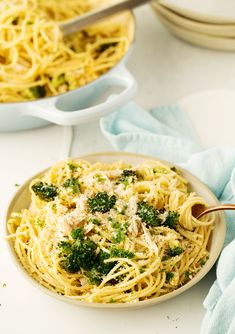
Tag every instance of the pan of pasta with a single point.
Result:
(47, 77)
(113, 230)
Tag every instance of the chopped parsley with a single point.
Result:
(95, 221)
(72, 184)
(99, 178)
(58, 80)
(72, 166)
(40, 223)
(175, 251)
(111, 300)
(119, 235)
(46, 192)
(114, 222)
(120, 229)
(148, 214)
(123, 210)
(101, 202)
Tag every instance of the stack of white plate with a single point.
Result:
(207, 23)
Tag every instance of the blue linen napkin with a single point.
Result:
(166, 133)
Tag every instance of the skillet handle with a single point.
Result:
(54, 110)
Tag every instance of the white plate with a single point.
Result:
(212, 114)
(21, 200)
(214, 11)
(226, 30)
(206, 41)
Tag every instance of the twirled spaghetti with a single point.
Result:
(111, 232)
(37, 61)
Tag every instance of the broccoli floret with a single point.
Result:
(36, 92)
(101, 202)
(86, 253)
(105, 46)
(65, 246)
(94, 276)
(46, 192)
(118, 252)
(171, 219)
(100, 268)
(169, 276)
(78, 233)
(175, 251)
(148, 214)
(127, 176)
(81, 253)
(70, 262)
(73, 185)
(78, 254)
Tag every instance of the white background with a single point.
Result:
(166, 70)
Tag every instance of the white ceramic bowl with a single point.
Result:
(79, 105)
(22, 200)
(210, 11)
(218, 30)
(204, 40)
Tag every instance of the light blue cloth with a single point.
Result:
(166, 133)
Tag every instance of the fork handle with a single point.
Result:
(216, 208)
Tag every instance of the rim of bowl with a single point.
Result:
(126, 54)
(132, 305)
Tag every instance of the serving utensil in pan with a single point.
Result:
(80, 22)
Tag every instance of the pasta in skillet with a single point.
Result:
(111, 233)
(37, 61)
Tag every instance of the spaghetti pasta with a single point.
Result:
(111, 233)
(37, 61)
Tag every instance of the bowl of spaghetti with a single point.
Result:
(46, 77)
(113, 230)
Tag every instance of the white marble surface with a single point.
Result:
(166, 69)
